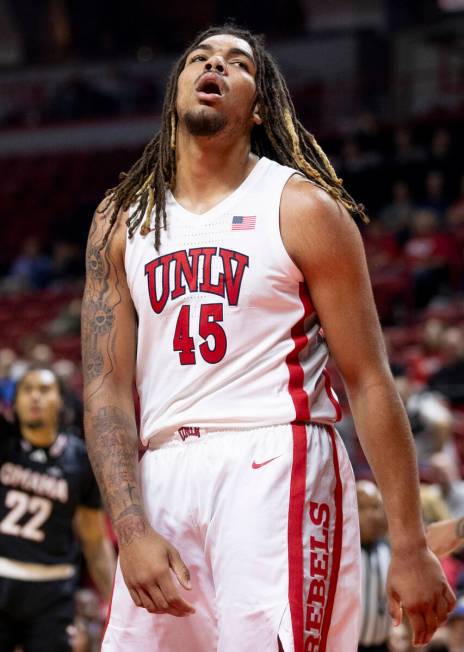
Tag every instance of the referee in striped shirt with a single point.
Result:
(375, 556)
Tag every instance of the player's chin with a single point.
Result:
(204, 121)
(34, 423)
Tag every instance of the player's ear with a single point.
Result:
(257, 119)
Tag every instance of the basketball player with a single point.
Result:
(220, 272)
(46, 488)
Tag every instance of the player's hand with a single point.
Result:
(417, 587)
(443, 537)
(148, 565)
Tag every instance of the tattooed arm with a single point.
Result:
(108, 358)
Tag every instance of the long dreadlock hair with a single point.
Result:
(280, 137)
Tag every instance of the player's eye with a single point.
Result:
(198, 57)
(241, 64)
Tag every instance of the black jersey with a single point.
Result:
(40, 490)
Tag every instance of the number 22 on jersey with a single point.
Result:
(20, 504)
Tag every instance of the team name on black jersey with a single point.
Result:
(40, 491)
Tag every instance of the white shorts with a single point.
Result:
(266, 521)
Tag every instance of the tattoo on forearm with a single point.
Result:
(114, 458)
(460, 528)
(131, 528)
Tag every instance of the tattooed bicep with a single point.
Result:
(105, 318)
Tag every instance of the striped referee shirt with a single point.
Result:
(375, 619)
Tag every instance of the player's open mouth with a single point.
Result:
(210, 85)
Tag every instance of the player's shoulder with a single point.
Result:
(304, 200)
(108, 228)
(69, 447)
(315, 224)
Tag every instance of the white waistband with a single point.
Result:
(21, 570)
(191, 435)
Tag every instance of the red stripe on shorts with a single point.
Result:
(295, 533)
(337, 546)
(298, 475)
(296, 374)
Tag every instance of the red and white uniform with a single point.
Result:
(244, 474)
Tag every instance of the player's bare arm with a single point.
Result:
(326, 245)
(446, 536)
(108, 354)
(97, 548)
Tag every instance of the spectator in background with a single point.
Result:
(428, 253)
(456, 210)
(382, 250)
(375, 559)
(449, 380)
(434, 508)
(66, 263)
(31, 270)
(440, 155)
(40, 353)
(397, 215)
(73, 413)
(405, 151)
(354, 159)
(435, 199)
(455, 224)
(368, 133)
(68, 322)
(408, 158)
(429, 417)
(392, 286)
(427, 358)
(443, 471)
(7, 385)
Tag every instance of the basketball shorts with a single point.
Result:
(36, 615)
(266, 521)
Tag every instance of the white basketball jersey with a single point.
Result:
(227, 336)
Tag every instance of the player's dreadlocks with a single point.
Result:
(281, 137)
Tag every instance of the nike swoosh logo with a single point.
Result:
(255, 465)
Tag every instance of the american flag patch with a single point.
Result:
(243, 222)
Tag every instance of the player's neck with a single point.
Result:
(209, 169)
(42, 437)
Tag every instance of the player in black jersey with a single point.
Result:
(47, 493)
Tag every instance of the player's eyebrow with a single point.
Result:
(209, 48)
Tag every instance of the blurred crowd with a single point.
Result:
(412, 182)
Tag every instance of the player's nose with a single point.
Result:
(216, 63)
